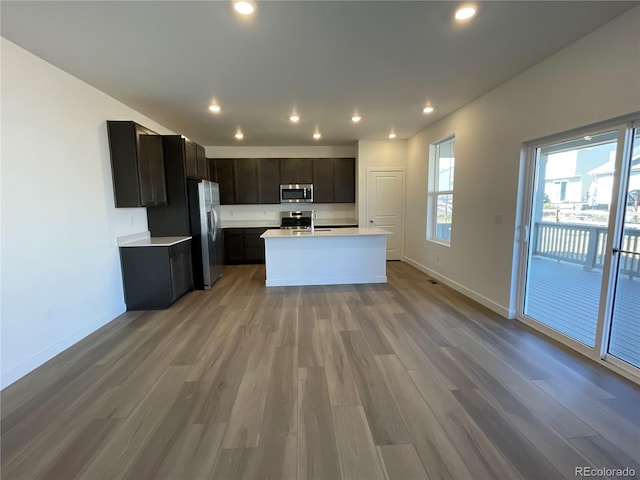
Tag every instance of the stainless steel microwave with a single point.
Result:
(296, 193)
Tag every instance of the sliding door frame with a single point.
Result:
(624, 126)
(614, 234)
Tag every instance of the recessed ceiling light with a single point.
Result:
(465, 12)
(356, 118)
(215, 108)
(428, 109)
(295, 118)
(244, 7)
(392, 135)
(239, 135)
(588, 137)
(317, 135)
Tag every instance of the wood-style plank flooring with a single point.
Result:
(406, 380)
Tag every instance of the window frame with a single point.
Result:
(433, 191)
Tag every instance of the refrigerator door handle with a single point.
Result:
(210, 231)
(214, 223)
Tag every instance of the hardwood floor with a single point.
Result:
(405, 380)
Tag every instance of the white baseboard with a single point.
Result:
(288, 282)
(10, 376)
(487, 302)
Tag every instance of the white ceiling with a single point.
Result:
(385, 59)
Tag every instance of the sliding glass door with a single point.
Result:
(581, 276)
(568, 227)
(624, 339)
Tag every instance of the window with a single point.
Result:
(563, 191)
(440, 199)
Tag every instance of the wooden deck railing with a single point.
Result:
(584, 245)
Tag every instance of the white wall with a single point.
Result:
(594, 79)
(60, 266)
(271, 213)
(376, 154)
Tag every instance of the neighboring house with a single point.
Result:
(567, 173)
(602, 183)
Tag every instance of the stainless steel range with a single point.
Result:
(299, 219)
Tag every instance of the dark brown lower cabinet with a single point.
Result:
(155, 277)
(243, 245)
(233, 246)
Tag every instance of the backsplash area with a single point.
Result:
(271, 213)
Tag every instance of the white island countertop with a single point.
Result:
(326, 256)
(155, 242)
(325, 232)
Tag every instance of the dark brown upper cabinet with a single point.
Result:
(190, 158)
(195, 160)
(334, 180)
(246, 180)
(323, 180)
(268, 180)
(221, 171)
(173, 220)
(245, 172)
(296, 170)
(211, 167)
(345, 180)
(202, 170)
(257, 180)
(137, 165)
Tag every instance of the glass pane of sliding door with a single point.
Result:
(568, 231)
(624, 340)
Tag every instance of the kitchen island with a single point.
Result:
(325, 256)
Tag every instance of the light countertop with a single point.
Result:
(267, 223)
(270, 223)
(155, 242)
(322, 232)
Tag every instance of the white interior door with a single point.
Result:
(385, 207)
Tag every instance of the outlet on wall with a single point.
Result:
(498, 218)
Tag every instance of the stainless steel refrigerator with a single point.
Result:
(206, 230)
